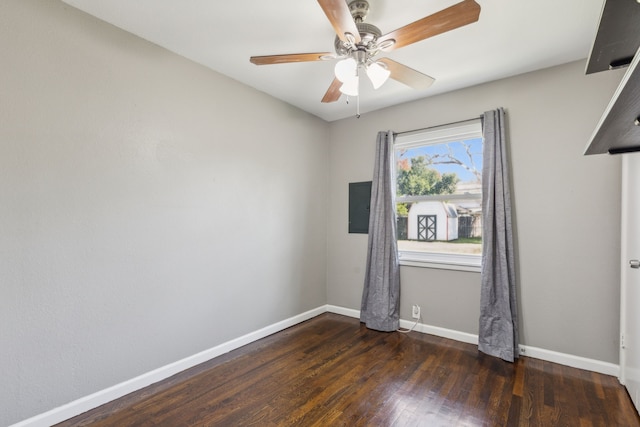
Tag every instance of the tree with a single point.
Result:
(402, 209)
(417, 179)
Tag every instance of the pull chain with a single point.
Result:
(358, 93)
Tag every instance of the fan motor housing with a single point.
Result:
(368, 34)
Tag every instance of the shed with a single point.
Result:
(430, 221)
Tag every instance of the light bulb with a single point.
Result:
(346, 69)
(378, 74)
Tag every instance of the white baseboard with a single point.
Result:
(101, 397)
(349, 312)
(571, 360)
(525, 350)
(440, 332)
(407, 324)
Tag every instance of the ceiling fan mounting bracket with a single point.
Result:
(359, 9)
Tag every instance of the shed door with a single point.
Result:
(427, 227)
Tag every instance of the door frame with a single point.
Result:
(624, 218)
(629, 161)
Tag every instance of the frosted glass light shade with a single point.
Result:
(346, 69)
(378, 74)
(350, 87)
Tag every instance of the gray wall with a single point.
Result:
(567, 211)
(150, 208)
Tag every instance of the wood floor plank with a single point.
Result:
(332, 371)
(518, 384)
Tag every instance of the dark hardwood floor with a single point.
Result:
(332, 371)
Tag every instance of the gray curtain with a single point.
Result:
(380, 308)
(498, 334)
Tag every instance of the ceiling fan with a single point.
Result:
(358, 44)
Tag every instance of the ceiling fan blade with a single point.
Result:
(458, 15)
(407, 75)
(295, 57)
(340, 17)
(333, 93)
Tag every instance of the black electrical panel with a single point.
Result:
(359, 206)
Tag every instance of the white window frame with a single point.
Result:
(442, 134)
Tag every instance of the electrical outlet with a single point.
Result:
(415, 313)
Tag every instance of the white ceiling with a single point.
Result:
(511, 37)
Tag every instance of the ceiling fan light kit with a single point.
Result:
(378, 74)
(357, 44)
(350, 87)
(346, 69)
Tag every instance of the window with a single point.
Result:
(439, 196)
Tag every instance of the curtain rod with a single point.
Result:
(437, 126)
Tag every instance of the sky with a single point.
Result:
(459, 152)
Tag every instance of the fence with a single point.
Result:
(469, 226)
(402, 229)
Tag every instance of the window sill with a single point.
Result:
(459, 262)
